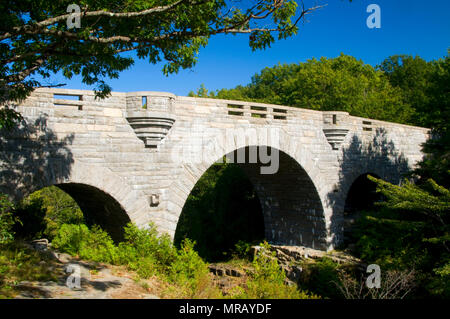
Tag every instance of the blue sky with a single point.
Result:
(414, 27)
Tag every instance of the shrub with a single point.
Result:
(321, 277)
(188, 268)
(143, 250)
(266, 266)
(409, 232)
(439, 285)
(43, 212)
(94, 244)
(150, 254)
(145, 267)
(99, 247)
(389, 242)
(394, 284)
(146, 243)
(268, 280)
(242, 250)
(70, 238)
(7, 219)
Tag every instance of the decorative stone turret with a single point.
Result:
(334, 128)
(149, 114)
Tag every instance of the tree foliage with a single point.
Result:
(7, 219)
(43, 212)
(429, 201)
(410, 232)
(425, 86)
(35, 38)
(401, 89)
(339, 84)
(436, 162)
(267, 279)
(9, 118)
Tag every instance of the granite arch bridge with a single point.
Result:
(136, 157)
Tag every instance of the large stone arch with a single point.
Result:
(292, 208)
(297, 166)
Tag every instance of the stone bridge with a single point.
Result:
(136, 157)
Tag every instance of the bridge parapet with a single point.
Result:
(261, 111)
(152, 101)
(152, 114)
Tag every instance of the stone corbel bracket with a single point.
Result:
(335, 128)
(150, 116)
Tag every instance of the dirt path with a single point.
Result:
(97, 281)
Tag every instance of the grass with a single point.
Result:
(20, 263)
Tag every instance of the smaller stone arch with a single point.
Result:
(99, 208)
(103, 196)
(133, 202)
(360, 196)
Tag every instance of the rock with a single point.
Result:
(52, 254)
(40, 244)
(63, 257)
(289, 258)
(236, 273)
(225, 270)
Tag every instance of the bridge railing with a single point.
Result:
(75, 100)
(151, 101)
(163, 104)
(258, 111)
